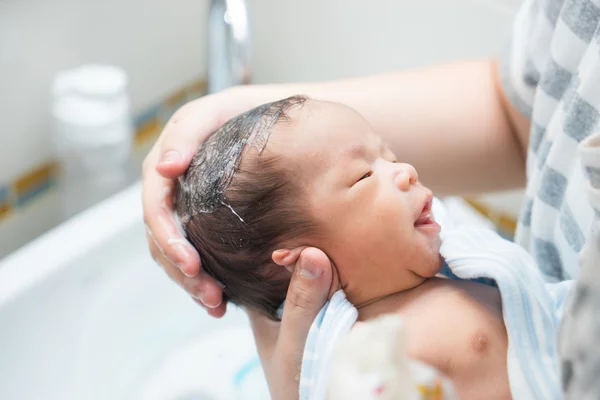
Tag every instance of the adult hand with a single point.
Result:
(281, 344)
(169, 158)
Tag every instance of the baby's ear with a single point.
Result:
(287, 257)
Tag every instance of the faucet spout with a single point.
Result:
(228, 45)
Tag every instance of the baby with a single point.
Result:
(300, 172)
(297, 173)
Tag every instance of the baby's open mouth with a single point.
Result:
(426, 216)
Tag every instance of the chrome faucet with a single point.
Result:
(228, 45)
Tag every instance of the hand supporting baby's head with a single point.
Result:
(300, 172)
(238, 204)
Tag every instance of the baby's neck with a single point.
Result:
(393, 302)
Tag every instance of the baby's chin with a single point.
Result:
(437, 262)
(432, 267)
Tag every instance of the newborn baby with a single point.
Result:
(300, 172)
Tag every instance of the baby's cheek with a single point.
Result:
(380, 220)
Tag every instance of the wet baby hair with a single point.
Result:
(236, 218)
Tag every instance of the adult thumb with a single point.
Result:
(307, 294)
(281, 345)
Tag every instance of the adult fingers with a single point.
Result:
(203, 288)
(166, 234)
(185, 131)
(281, 345)
(307, 293)
(216, 312)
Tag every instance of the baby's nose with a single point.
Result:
(406, 175)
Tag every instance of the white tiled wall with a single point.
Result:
(161, 44)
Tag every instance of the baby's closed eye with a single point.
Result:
(365, 176)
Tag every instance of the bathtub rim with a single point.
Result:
(55, 249)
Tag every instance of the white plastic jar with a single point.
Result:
(93, 134)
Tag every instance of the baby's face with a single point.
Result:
(371, 211)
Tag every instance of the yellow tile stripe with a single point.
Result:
(151, 127)
(507, 224)
(197, 88)
(35, 178)
(5, 210)
(148, 129)
(177, 98)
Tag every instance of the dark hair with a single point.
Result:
(260, 209)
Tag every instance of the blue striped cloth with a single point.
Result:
(532, 310)
(333, 322)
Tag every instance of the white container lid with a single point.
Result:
(90, 104)
(91, 80)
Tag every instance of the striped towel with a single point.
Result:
(332, 323)
(532, 310)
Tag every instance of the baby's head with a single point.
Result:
(300, 172)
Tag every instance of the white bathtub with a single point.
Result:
(86, 314)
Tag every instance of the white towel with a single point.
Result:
(531, 308)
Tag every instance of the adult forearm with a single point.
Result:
(449, 121)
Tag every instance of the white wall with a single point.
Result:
(161, 44)
(316, 39)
